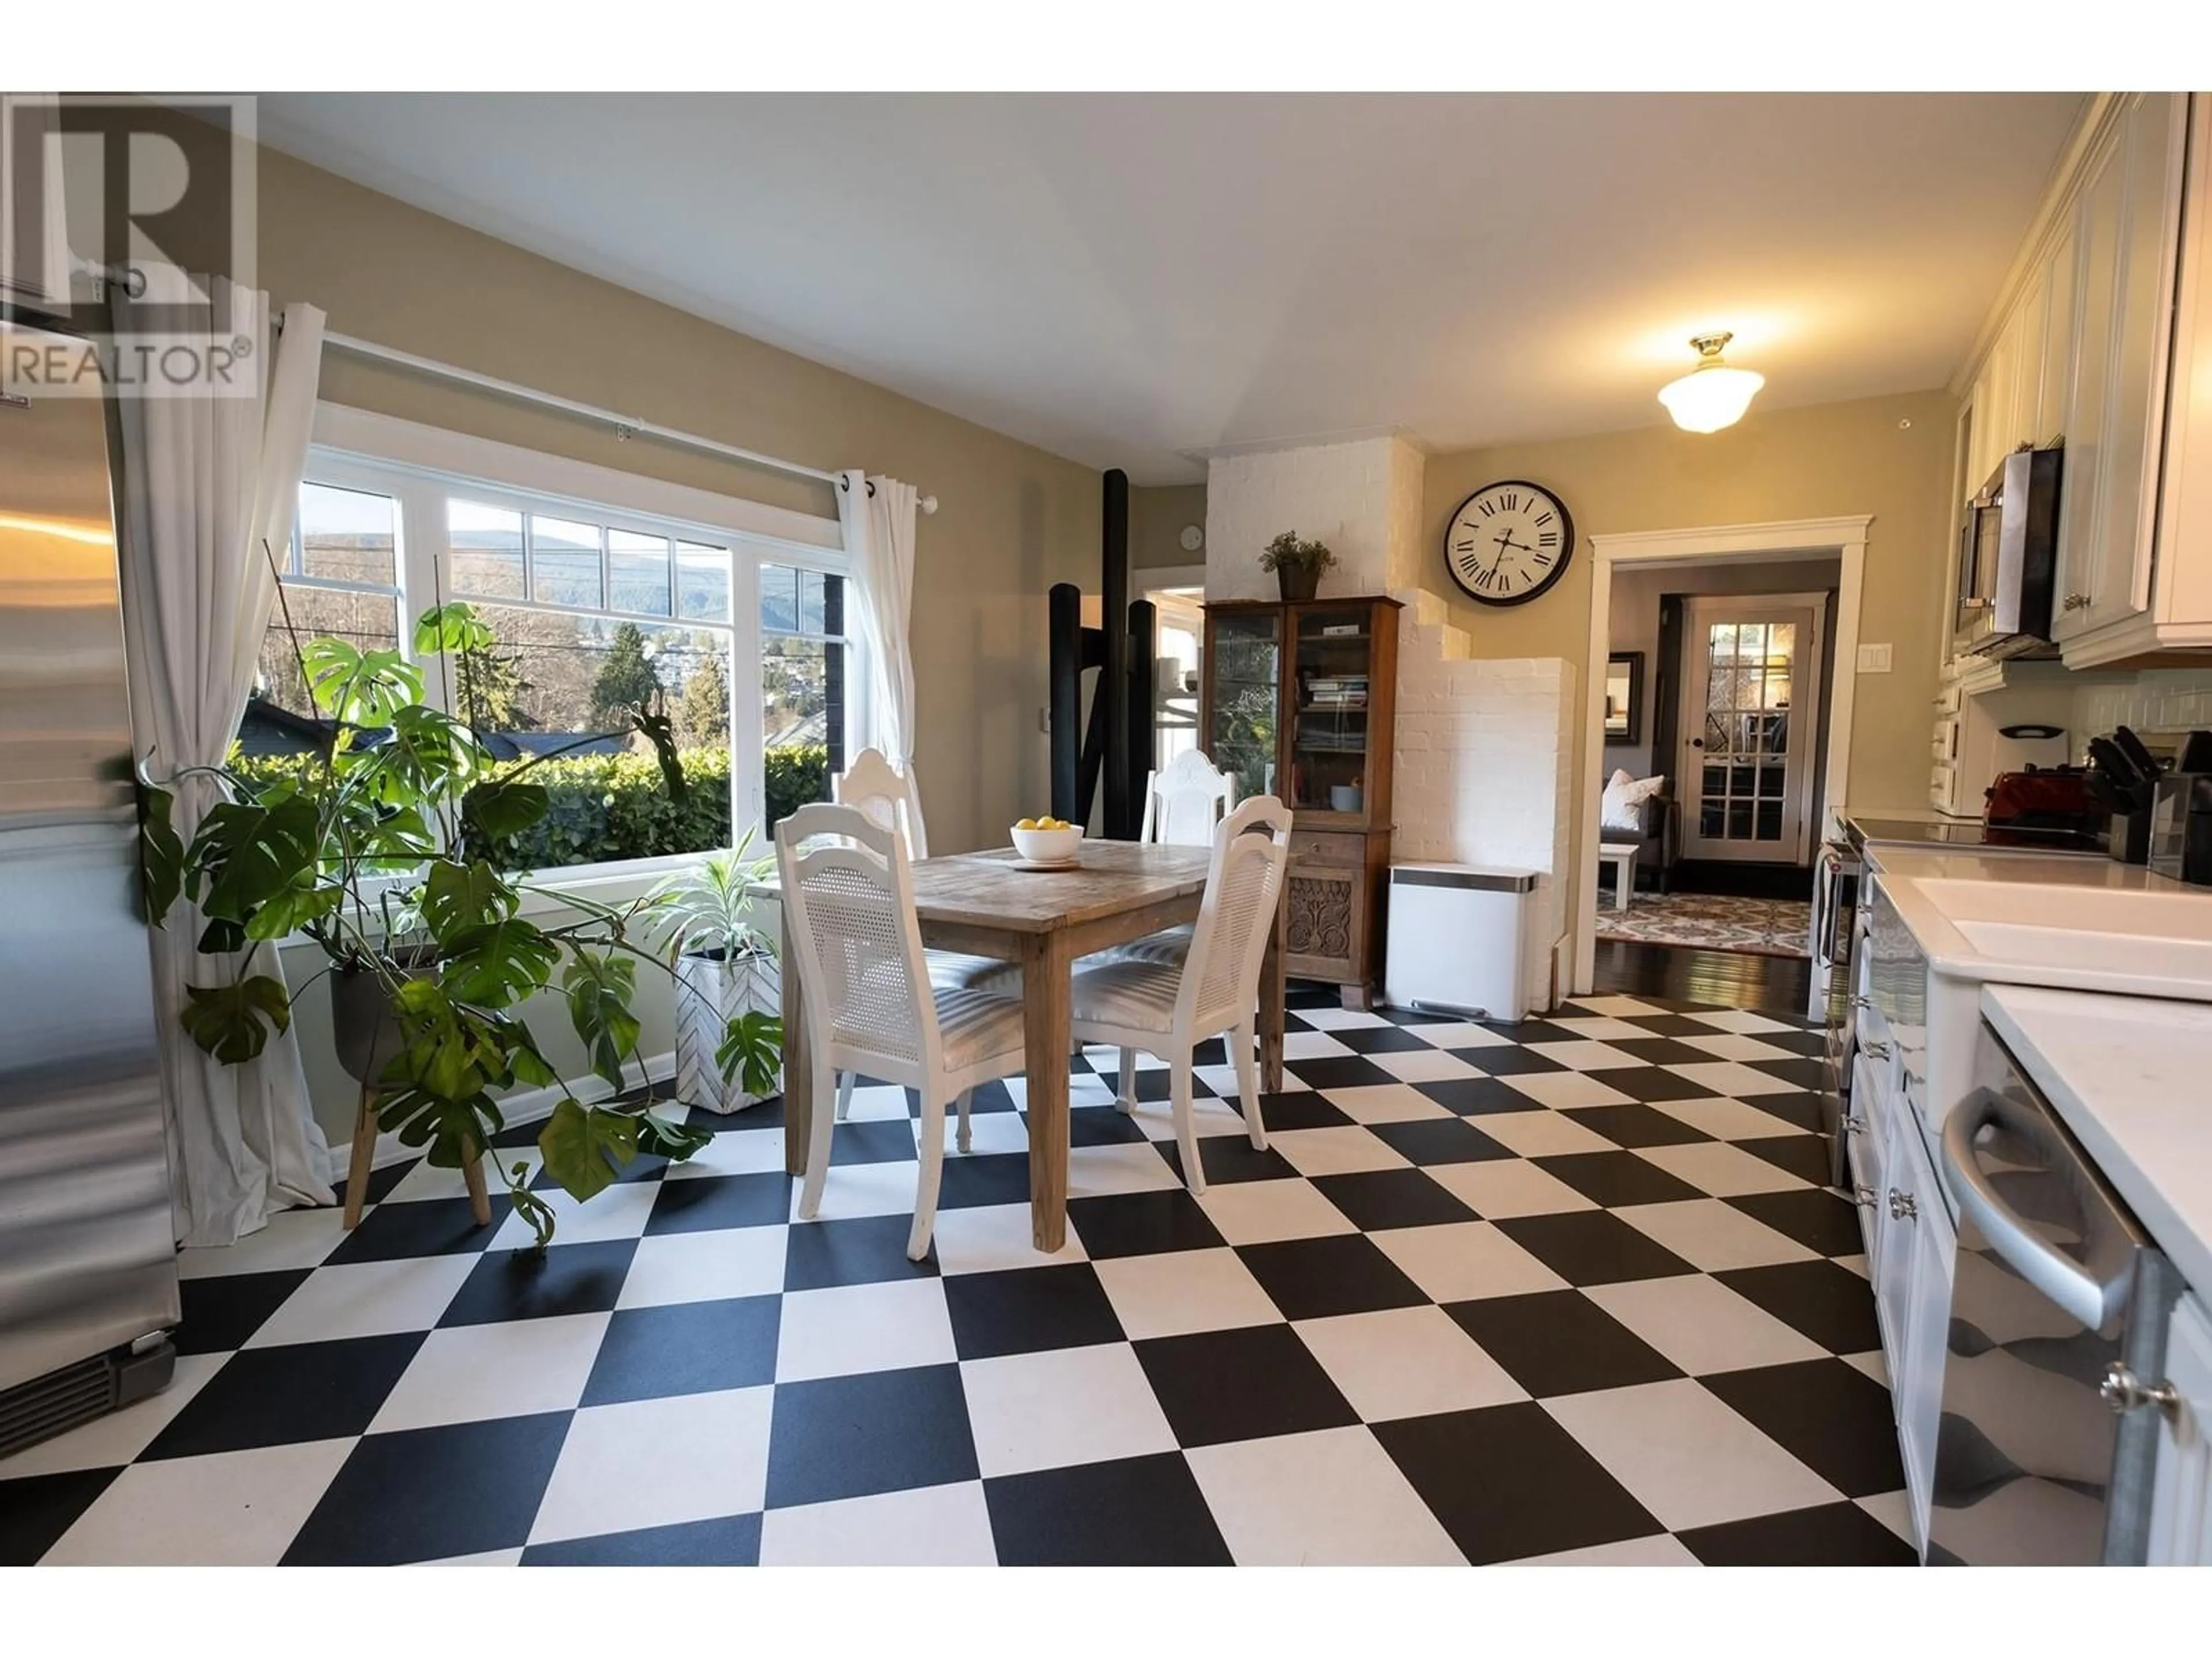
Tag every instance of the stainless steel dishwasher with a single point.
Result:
(2059, 1306)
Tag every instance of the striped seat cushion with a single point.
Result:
(960, 971)
(1126, 993)
(1169, 948)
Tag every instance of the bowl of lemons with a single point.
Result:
(1047, 841)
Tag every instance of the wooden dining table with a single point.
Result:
(985, 904)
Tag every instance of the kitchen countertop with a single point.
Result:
(2127, 1075)
(1907, 860)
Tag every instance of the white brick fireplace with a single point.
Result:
(1484, 746)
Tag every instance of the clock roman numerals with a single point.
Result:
(1509, 542)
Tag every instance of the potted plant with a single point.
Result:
(386, 852)
(729, 986)
(1298, 564)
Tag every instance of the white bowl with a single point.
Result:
(1049, 846)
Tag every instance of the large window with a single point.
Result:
(337, 575)
(601, 615)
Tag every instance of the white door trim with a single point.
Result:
(1845, 537)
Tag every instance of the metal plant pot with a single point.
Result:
(1297, 582)
(362, 1027)
(711, 990)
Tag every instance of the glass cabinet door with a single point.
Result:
(1247, 675)
(1328, 739)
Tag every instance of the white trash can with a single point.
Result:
(1457, 935)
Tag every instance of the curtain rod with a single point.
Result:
(625, 426)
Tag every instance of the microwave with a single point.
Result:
(2008, 557)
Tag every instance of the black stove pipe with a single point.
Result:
(1118, 823)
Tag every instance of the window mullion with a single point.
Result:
(421, 546)
(749, 793)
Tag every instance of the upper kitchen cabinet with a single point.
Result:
(2105, 345)
(2128, 236)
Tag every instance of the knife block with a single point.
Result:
(2128, 840)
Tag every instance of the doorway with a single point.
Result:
(1745, 563)
(1181, 612)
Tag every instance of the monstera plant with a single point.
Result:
(386, 852)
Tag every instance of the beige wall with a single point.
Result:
(1012, 520)
(1156, 518)
(1830, 459)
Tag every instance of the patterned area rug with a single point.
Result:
(1711, 921)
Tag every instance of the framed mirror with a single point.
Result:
(1624, 696)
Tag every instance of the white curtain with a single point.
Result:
(208, 482)
(877, 517)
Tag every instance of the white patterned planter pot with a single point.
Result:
(710, 992)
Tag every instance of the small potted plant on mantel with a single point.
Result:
(1297, 563)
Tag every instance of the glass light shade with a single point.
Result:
(1711, 396)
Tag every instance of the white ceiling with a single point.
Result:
(1134, 280)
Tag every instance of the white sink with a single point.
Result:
(2136, 916)
(2163, 936)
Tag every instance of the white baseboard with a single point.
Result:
(529, 1106)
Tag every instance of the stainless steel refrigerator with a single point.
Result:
(88, 1258)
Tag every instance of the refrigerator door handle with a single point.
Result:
(2094, 1301)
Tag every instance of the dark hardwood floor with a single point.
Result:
(1770, 985)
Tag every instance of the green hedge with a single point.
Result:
(793, 776)
(606, 807)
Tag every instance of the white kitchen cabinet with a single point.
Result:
(2101, 207)
(1911, 1266)
(2181, 1492)
(2029, 320)
(1867, 1128)
(1923, 1236)
(2128, 247)
(2055, 384)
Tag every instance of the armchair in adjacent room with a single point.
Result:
(1642, 813)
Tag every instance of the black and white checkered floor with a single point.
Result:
(1568, 1291)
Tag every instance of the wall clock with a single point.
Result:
(1192, 538)
(1509, 542)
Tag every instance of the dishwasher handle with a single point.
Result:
(2093, 1300)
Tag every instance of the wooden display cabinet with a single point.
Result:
(1300, 701)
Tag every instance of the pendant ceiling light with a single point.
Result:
(1712, 395)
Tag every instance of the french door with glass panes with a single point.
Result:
(1751, 686)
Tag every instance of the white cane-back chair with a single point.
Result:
(1169, 1009)
(891, 800)
(866, 990)
(1186, 802)
(1184, 805)
(887, 795)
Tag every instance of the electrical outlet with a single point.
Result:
(1873, 659)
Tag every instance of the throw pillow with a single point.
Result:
(1621, 807)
